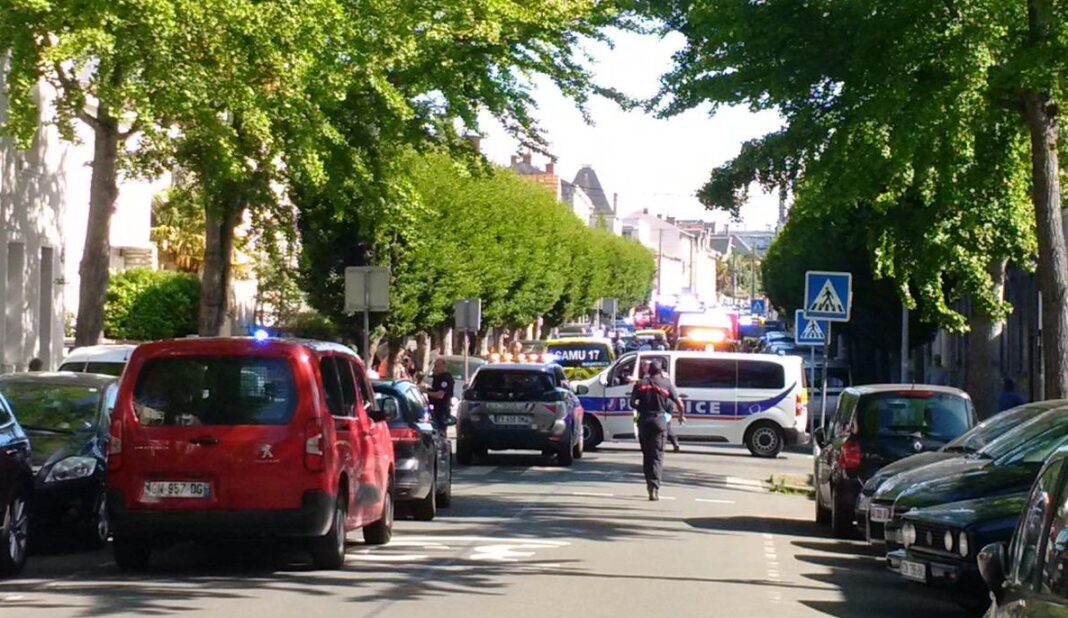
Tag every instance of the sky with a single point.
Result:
(651, 163)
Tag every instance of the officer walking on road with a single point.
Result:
(654, 397)
(440, 394)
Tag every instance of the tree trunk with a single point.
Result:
(984, 345)
(93, 271)
(422, 352)
(218, 256)
(1041, 114)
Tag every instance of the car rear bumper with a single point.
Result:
(795, 436)
(507, 439)
(961, 576)
(411, 483)
(313, 518)
(65, 505)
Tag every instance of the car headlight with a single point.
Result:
(559, 426)
(962, 545)
(863, 503)
(947, 540)
(908, 535)
(71, 468)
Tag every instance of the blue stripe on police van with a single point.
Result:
(620, 406)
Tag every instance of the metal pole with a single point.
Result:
(467, 363)
(811, 367)
(823, 387)
(904, 344)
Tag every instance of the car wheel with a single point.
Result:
(427, 508)
(823, 514)
(764, 439)
(445, 495)
(15, 534)
(841, 526)
(565, 457)
(465, 456)
(381, 531)
(99, 526)
(592, 434)
(579, 449)
(131, 553)
(328, 551)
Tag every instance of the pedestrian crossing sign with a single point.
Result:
(809, 332)
(828, 296)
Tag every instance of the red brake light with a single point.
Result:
(849, 456)
(313, 446)
(115, 444)
(405, 435)
(551, 407)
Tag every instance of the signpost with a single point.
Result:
(811, 333)
(758, 307)
(366, 290)
(609, 306)
(828, 297)
(468, 320)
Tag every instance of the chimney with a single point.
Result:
(475, 140)
(615, 203)
(550, 168)
(526, 157)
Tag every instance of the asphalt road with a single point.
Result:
(525, 538)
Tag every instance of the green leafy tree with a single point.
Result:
(143, 305)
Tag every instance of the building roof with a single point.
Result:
(587, 180)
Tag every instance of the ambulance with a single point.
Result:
(759, 400)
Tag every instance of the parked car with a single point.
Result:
(967, 444)
(107, 359)
(422, 453)
(237, 437)
(875, 426)
(16, 490)
(839, 377)
(520, 407)
(66, 416)
(1007, 465)
(941, 543)
(1029, 576)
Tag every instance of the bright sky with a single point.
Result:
(650, 163)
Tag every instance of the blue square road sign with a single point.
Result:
(810, 332)
(828, 295)
(758, 306)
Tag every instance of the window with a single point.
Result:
(507, 385)
(907, 413)
(706, 373)
(108, 369)
(331, 385)
(844, 415)
(364, 386)
(212, 390)
(73, 367)
(348, 387)
(54, 407)
(417, 406)
(1055, 571)
(1026, 543)
(761, 375)
(623, 371)
(5, 414)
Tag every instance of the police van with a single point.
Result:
(759, 400)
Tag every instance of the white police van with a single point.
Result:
(759, 400)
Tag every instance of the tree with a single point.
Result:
(105, 61)
(911, 109)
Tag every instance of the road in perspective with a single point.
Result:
(526, 538)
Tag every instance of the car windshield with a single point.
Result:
(938, 416)
(1021, 435)
(580, 354)
(456, 367)
(505, 385)
(215, 391)
(991, 429)
(1036, 445)
(52, 407)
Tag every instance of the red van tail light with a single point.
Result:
(849, 456)
(115, 444)
(406, 435)
(801, 404)
(313, 446)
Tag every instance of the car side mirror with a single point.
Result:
(469, 394)
(582, 389)
(821, 436)
(377, 414)
(992, 567)
(450, 421)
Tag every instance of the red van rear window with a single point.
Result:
(222, 390)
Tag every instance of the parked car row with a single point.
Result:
(976, 510)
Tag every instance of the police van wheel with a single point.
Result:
(764, 439)
(592, 434)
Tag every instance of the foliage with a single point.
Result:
(144, 305)
(178, 227)
(466, 231)
(309, 325)
(888, 107)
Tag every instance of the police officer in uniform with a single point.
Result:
(440, 394)
(654, 398)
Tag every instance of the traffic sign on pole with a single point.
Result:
(758, 307)
(366, 290)
(809, 332)
(828, 295)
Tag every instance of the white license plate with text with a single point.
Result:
(916, 571)
(177, 489)
(511, 419)
(879, 514)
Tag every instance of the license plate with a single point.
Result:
(879, 514)
(511, 419)
(916, 571)
(177, 489)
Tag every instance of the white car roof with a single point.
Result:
(111, 353)
(868, 389)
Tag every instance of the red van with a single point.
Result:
(245, 438)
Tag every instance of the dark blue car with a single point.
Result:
(16, 488)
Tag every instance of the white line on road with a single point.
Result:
(592, 494)
(711, 501)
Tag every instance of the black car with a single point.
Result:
(1029, 576)
(16, 489)
(1006, 466)
(876, 426)
(971, 442)
(941, 542)
(422, 452)
(66, 416)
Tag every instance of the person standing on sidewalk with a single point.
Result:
(440, 394)
(654, 397)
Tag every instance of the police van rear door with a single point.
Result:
(706, 384)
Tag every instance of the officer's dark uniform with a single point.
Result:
(440, 409)
(653, 395)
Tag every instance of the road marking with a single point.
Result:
(711, 501)
(476, 471)
(668, 498)
(592, 494)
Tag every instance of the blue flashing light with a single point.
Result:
(261, 334)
